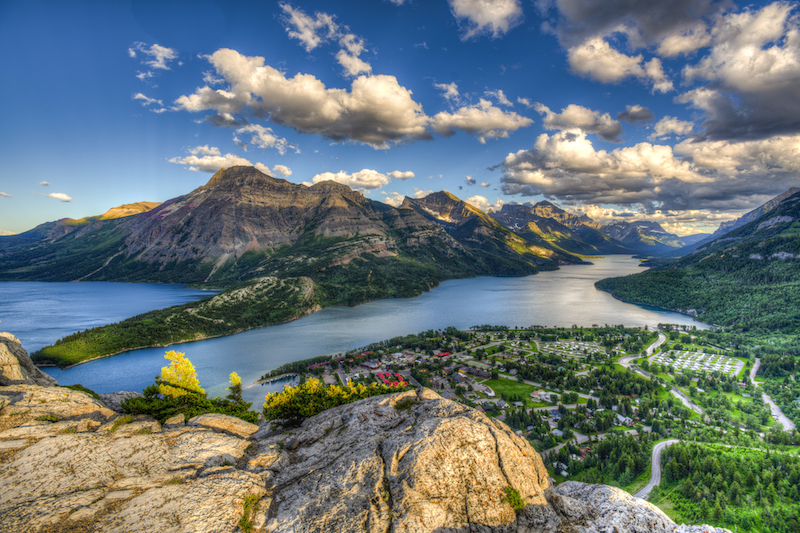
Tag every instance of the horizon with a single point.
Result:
(619, 114)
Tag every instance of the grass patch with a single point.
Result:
(248, 509)
(121, 421)
(514, 499)
(81, 388)
(405, 405)
(47, 418)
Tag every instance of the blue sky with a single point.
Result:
(684, 112)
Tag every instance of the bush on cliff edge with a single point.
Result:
(293, 404)
(177, 390)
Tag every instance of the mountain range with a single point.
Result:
(244, 224)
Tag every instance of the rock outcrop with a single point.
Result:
(16, 367)
(406, 462)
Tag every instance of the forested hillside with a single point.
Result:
(748, 280)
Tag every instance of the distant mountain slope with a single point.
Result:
(731, 225)
(244, 224)
(748, 279)
(479, 231)
(65, 226)
(643, 236)
(559, 229)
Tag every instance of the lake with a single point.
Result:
(563, 297)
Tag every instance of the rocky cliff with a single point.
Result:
(406, 462)
(16, 368)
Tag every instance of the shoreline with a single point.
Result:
(46, 365)
(319, 308)
(642, 304)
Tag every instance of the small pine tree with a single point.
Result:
(236, 387)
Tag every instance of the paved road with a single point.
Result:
(625, 362)
(655, 469)
(777, 414)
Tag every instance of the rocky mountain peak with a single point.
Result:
(241, 176)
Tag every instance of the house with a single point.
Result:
(541, 395)
(623, 420)
(502, 404)
(371, 364)
(557, 432)
(478, 372)
(519, 404)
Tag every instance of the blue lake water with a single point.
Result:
(45, 312)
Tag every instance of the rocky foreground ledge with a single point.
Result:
(406, 462)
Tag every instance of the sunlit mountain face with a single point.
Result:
(682, 114)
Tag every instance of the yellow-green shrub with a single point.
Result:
(293, 404)
(180, 372)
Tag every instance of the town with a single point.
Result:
(606, 404)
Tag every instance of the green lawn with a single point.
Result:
(507, 386)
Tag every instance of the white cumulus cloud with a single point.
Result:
(322, 28)
(262, 137)
(583, 118)
(501, 97)
(311, 31)
(283, 170)
(5, 195)
(376, 111)
(596, 59)
(363, 180)
(482, 203)
(209, 159)
(147, 101)
(401, 175)
(668, 126)
(59, 196)
(394, 199)
(704, 175)
(484, 120)
(495, 17)
(157, 57)
(449, 92)
(44, 184)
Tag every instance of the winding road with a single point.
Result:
(777, 414)
(655, 469)
(625, 362)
